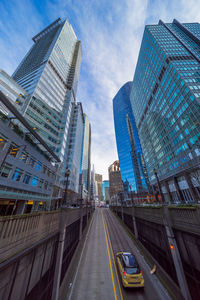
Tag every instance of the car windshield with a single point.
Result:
(130, 261)
(132, 271)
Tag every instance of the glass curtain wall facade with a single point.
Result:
(49, 73)
(165, 99)
(86, 154)
(105, 190)
(128, 144)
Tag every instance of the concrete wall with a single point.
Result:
(172, 236)
(28, 250)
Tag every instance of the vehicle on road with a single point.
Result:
(129, 270)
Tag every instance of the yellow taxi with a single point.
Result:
(129, 270)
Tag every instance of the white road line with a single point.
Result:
(73, 284)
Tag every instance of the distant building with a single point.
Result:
(86, 155)
(105, 191)
(93, 189)
(165, 99)
(98, 179)
(115, 181)
(128, 145)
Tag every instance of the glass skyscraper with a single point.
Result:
(128, 144)
(49, 73)
(86, 154)
(165, 99)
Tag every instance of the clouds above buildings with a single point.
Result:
(110, 32)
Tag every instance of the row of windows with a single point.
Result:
(23, 156)
(27, 178)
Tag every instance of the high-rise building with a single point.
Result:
(105, 191)
(165, 99)
(115, 181)
(86, 155)
(49, 73)
(93, 190)
(98, 179)
(128, 145)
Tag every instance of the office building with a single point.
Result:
(98, 179)
(128, 145)
(86, 155)
(105, 191)
(49, 73)
(28, 173)
(93, 190)
(165, 99)
(115, 180)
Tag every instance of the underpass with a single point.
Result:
(96, 275)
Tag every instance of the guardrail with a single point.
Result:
(21, 231)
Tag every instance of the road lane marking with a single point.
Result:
(120, 291)
(86, 238)
(111, 271)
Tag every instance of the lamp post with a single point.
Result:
(67, 173)
(158, 183)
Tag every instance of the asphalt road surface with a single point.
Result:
(97, 277)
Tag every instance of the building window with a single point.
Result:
(34, 181)
(44, 169)
(23, 157)
(38, 166)
(13, 150)
(40, 184)
(27, 178)
(32, 162)
(17, 175)
(46, 185)
(5, 170)
(2, 143)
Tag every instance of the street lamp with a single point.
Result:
(158, 183)
(67, 173)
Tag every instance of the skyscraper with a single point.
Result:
(86, 154)
(49, 73)
(105, 191)
(115, 181)
(128, 144)
(98, 178)
(165, 99)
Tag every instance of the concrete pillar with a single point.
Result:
(191, 187)
(176, 256)
(59, 257)
(178, 190)
(122, 212)
(20, 207)
(81, 223)
(4, 153)
(134, 223)
(87, 212)
(168, 192)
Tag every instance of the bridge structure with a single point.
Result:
(70, 253)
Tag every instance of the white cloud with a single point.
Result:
(110, 32)
(110, 49)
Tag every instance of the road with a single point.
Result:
(96, 276)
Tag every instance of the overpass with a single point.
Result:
(70, 253)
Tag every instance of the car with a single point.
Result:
(129, 270)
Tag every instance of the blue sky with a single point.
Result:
(110, 32)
